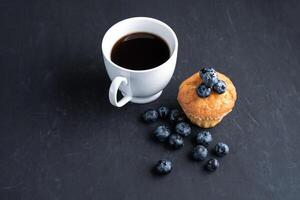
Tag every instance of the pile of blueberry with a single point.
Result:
(210, 82)
(174, 137)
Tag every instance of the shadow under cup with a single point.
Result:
(138, 86)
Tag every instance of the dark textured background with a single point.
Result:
(61, 139)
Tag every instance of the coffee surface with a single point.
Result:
(140, 51)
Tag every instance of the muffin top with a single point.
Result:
(213, 106)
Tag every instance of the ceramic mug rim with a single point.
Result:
(173, 52)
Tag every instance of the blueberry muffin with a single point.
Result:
(206, 97)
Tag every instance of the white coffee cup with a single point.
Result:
(138, 86)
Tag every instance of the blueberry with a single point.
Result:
(220, 87)
(199, 153)
(206, 70)
(204, 138)
(183, 129)
(173, 116)
(163, 112)
(162, 133)
(163, 167)
(150, 115)
(176, 141)
(208, 76)
(221, 149)
(212, 165)
(203, 91)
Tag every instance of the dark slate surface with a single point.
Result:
(61, 139)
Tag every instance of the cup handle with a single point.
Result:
(114, 89)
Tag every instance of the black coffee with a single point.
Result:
(140, 51)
